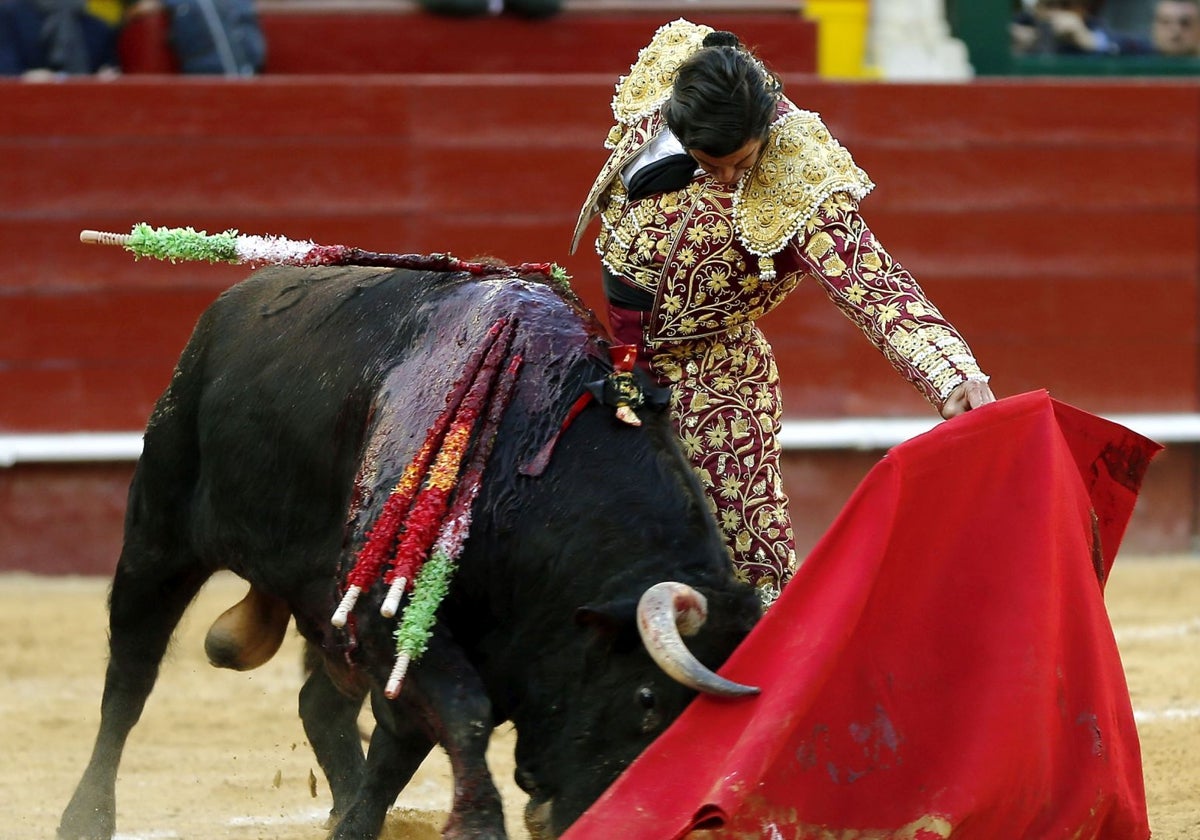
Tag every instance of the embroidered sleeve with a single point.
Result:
(884, 300)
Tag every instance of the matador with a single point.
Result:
(692, 263)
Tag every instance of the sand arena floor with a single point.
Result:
(221, 755)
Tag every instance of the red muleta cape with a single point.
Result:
(941, 666)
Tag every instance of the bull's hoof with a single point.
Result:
(249, 633)
(363, 821)
(84, 819)
(72, 831)
(481, 824)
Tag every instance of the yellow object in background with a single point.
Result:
(109, 11)
(842, 29)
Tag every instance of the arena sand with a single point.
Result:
(221, 755)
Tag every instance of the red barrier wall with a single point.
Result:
(1056, 223)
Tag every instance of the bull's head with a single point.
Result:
(634, 691)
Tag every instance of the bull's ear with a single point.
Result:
(614, 620)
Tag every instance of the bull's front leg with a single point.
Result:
(329, 709)
(447, 695)
(399, 744)
(443, 701)
(450, 692)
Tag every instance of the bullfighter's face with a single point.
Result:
(730, 168)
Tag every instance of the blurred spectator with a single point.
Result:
(1067, 27)
(216, 37)
(77, 37)
(1175, 30)
(468, 8)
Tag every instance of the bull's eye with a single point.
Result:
(651, 719)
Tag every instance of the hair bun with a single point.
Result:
(720, 38)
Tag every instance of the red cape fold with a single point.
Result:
(941, 666)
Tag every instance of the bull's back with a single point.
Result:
(284, 379)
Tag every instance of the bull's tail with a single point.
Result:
(249, 633)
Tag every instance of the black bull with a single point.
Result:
(298, 401)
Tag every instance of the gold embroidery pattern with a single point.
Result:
(800, 167)
(681, 247)
(710, 284)
(635, 237)
(884, 300)
(651, 77)
(725, 400)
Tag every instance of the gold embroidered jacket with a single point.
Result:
(717, 256)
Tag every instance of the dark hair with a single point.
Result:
(723, 97)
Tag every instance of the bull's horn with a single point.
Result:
(666, 613)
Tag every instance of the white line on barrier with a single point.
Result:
(858, 433)
(70, 447)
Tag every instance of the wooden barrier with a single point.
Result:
(1061, 240)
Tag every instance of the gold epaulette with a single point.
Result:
(636, 104)
(801, 166)
(652, 76)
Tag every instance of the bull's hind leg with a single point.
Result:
(149, 595)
